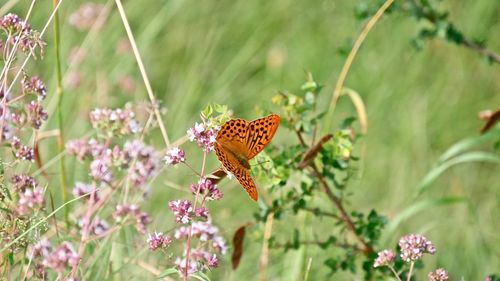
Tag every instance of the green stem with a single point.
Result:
(59, 90)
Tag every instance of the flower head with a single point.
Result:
(34, 85)
(413, 246)
(158, 240)
(36, 114)
(174, 156)
(203, 136)
(62, 256)
(207, 188)
(182, 210)
(438, 275)
(30, 199)
(385, 257)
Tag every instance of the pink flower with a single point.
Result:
(413, 246)
(438, 275)
(385, 257)
(141, 218)
(158, 240)
(40, 249)
(21, 182)
(182, 210)
(62, 256)
(34, 85)
(174, 156)
(30, 199)
(207, 188)
(36, 114)
(203, 136)
(114, 121)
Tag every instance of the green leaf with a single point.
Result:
(167, 272)
(201, 276)
(464, 158)
(469, 143)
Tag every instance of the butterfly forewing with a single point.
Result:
(259, 134)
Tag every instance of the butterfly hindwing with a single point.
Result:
(259, 134)
(241, 173)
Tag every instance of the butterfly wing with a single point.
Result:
(259, 133)
(231, 163)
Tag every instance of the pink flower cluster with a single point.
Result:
(19, 31)
(36, 114)
(158, 240)
(82, 188)
(42, 255)
(29, 200)
(203, 136)
(139, 161)
(207, 188)
(34, 85)
(184, 212)
(141, 218)
(174, 156)
(22, 152)
(206, 254)
(114, 122)
(21, 182)
(438, 275)
(413, 246)
(385, 257)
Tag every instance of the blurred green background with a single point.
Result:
(241, 53)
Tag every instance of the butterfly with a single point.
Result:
(238, 141)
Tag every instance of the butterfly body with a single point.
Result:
(238, 141)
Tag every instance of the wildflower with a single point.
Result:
(201, 212)
(98, 226)
(85, 16)
(21, 182)
(182, 210)
(79, 148)
(30, 199)
(62, 256)
(21, 32)
(82, 189)
(413, 246)
(207, 188)
(158, 240)
(142, 218)
(212, 261)
(40, 249)
(100, 170)
(439, 275)
(113, 122)
(142, 161)
(22, 152)
(36, 114)
(205, 231)
(34, 85)
(385, 257)
(181, 265)
(174, 156)
(203, 136)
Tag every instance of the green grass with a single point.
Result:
(418, 104)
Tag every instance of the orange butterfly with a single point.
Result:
(238, 141)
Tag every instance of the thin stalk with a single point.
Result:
(411, 271)
(188, 243)
(394, 271)
(142, 69)
(59, 92)
(350, 58)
